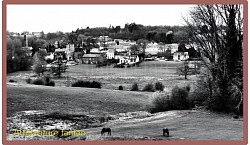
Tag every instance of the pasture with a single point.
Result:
(112, 78)
(74, 104)
(78, 102)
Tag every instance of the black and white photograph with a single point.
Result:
(124, 72)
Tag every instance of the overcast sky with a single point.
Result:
(65, 18)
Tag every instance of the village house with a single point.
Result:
(180, 56)
(119, 48)
(49, 56)
(152, 49)
(60, 53)
(111, 54)
(93, 58)
(95, 51)
(129, 59)
(66, 53)
(173, 47)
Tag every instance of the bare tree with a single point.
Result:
(217, 30)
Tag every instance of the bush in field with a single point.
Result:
(86, 84)
(51, 83)
(149, 88)
(38, 82)
(48, 81)
(95, 84)
(179, 98)
(29, 81)
(188, 88)
(12, 81)
(135, 87)
(159, 102)
(159, 86)
(120, 88)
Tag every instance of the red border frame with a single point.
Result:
(245, 68)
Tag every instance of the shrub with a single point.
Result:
(38, 82)
(102, 119)
(188, 88)
(159, 86)
(51, 83)
(28, 81)
(120, 88)
(95, 84)
(179, 98)
(87, 84)
(135, 87)
(160, 102)
(12, 81)
(149, 88)
(48, 81)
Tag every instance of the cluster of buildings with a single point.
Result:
(108, 51)
(159, 49)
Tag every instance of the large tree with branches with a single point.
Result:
(218, 32)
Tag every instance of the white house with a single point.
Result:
(68, 51)
(111, 53)
(129, 59)
(49, 56)
(152, 48)
(173, 47)
(119, 48)
(179, 56)
(95, 50)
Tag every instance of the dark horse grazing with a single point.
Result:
(165, 130)
(108, 130)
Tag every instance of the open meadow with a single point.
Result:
(31, 107)
(125, 112)
(112, 78)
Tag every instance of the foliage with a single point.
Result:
(48, 81)
(149, 88)
(51, 83)
(87, 84)
(38, 81)
(120, 88)
(159, 102)
(18, 58)
(159, 86)
(162, 101)
(12, 81)
(179, 98)
(135, 87)
(217, 31)
(29, 81)
(39, 62)
(184, 69)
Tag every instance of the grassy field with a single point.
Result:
(112, 78)
(77, 103)
(73, 100)
(184, 124)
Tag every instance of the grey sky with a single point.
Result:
(65, 18)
